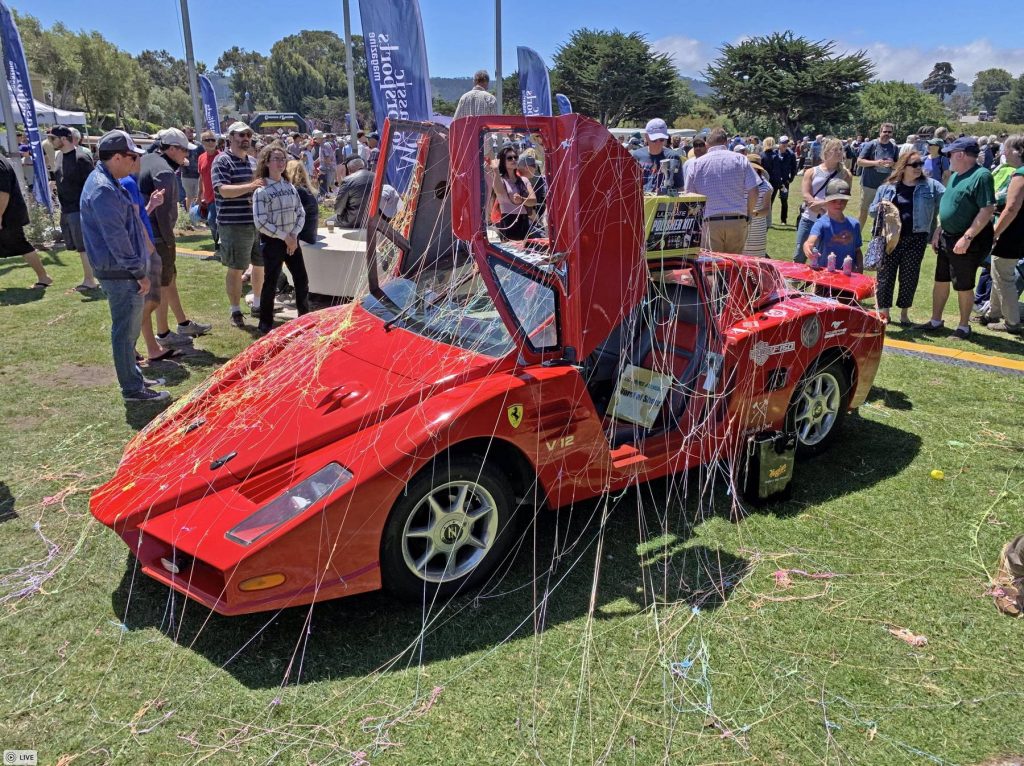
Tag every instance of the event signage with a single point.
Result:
(534, 88)
(16, 70)
(564, 104)
(210, 113)
(396, 60)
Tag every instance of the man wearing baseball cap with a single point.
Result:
(233, 174)
(964, 235)
(116, 243)
(71, 167)
(157, 171)
(651, 156)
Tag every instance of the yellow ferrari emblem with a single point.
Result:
(515, 415)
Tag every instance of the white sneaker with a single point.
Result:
(174, 340)
(150, 382)
(193, 329)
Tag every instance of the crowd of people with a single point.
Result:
(960, 194)
(260, 196)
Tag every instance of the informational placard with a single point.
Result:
(640, 395)
(673, 225)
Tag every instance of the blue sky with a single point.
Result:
(460, 33)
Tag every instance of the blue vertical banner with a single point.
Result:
(396, 60)
(564, 104)
(534, 88)
(211, 117)
(16, 71)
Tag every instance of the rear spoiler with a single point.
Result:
(852, 288)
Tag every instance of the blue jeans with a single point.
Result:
(803, 231)
(125, 326)
(211, 221)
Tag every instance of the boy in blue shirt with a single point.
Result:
(836, 232)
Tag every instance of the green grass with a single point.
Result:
(692, 653)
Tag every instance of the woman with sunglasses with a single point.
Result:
(279, 215)
(916, 197)
(515, 196)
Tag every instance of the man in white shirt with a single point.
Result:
(477, 101)
(730, 184)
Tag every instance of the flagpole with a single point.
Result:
(12, 132)
(497, 53)
(197, 115)
(351, 77)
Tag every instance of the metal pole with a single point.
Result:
(12, 132)
(497, 52)
(193, 82)
(351, 76)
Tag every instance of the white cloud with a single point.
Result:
(913, 63)
(690, 56)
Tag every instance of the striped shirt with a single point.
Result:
(228, 170)
(277, 210)
(476, 102)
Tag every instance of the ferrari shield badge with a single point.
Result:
(515, 415)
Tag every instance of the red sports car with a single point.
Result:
(395, 441)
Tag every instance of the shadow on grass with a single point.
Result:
(7, 512)
(643, 553)
(17, 296)
(549, 583)
(894, 400)
(139, 414)
(979, 342)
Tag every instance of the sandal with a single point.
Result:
(43, 285)
(84, 288)
(170, 353)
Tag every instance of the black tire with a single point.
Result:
(414, 527)
(814, 429)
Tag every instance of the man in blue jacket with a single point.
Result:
(116, 244)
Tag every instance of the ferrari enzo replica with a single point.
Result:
(404, 440)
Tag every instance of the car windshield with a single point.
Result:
(447, 302)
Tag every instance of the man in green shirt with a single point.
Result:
(964, 235)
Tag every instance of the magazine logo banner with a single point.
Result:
(534, 88)
(396, 60)
(210, 113)
(16, 70)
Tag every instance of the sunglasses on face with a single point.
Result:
(209, 140)
(278, 158)
(242, 135)
(917, 164)
(511, 158)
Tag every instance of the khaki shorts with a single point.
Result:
(239, 246)
(154, 267)
(168, 252)
(867, 196)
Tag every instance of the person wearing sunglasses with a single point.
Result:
(234, 182)
(515, 196)
(876, 159)
(916, 197)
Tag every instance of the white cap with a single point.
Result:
(783, 139)
(239, 127)
(175, 137)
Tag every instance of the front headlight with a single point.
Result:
(290, 504)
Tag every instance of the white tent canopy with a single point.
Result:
(51, 115)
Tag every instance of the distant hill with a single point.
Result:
(450, 88)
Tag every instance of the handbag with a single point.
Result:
(816, 192)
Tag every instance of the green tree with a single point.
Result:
(614, 76)
(52, 56)
(940, 81)
(169, 106)
(958, 105)
(1011, 106)
(990, 85)
(294, 79)
(325, 53)
(444, 106)
(788, 80)
(900, 103)
(511, 96)
(684, 100)
(248, 73)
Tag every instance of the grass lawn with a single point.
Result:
(764, 639)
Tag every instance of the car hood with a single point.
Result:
(299, 389)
